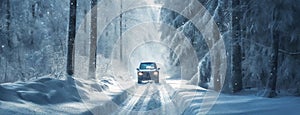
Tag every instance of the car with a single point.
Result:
(148, 71)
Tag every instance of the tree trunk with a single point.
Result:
(270, 90)
(6, 76)
(8, 17)
(93, 40)
(121, 19)
(216, 72)
(236, 66)
(274, 60)
(8, 22)
(71, 37)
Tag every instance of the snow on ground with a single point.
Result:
(48, 95)
(251, 104)
(42, 96)
(226, 104)
(149, 98)
(77, 96)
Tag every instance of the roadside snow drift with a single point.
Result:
(42, 91)
(49, 95)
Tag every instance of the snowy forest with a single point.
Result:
(233, 47)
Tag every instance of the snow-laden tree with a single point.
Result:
(34, 42)
(253, 48)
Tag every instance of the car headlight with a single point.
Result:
(140, 73)
(155, 73)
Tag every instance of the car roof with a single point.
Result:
(147, 62)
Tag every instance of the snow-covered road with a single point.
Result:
(149, 98)
(173, 97)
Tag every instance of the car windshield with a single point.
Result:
(147, 66)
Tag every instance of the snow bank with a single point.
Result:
(42, 91)
(70, 96)
(194, 100)
(250, 104)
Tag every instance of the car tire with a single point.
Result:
(156, 80)
(139, 81)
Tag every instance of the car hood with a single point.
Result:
(147, 70)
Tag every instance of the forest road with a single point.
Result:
(149, 98)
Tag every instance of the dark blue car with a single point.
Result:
(148, 71)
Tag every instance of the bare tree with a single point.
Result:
(71, 37)
(93, 40)
(236, 57)
(274, 62)
(270, 90)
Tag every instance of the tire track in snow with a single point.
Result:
(130, 103)
(153, 101)
(160, 102)
(150, 98)
(140, 104)
(150, 104)
(168, 107)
